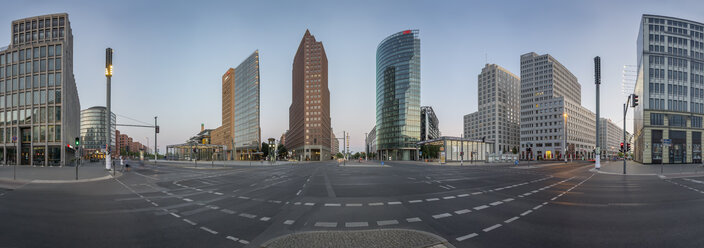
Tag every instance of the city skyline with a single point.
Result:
(149, 83)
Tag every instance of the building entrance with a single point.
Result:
(678, 151)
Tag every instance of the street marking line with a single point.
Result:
(415, 201)
(387, 222)
(394, 203)
(175, 215)
(481, 207)
(243, 197)
(244, 241)
(432, 199)
(449, 197)
(227, 211)
(476, 193)
(265, 219)
(188, 200)
(231, 238)
(537, 207)
(463, 211)
(326, 224)
(353, 204)
(356, 224)
(309, 204)
(376, 204)
(440, 216)
(208, 230)
(526, 212)
(217, 193)
(289, 222)
(508, 199)
(246, 215)
(511, 219)
(463, 195)
(468, 236)
(414, 219)
(156, 205)
(496, 203)
(488, 229)
(190, 222)
(332, 204)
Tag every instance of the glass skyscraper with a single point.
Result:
(670, 85)
(247, 130)
(398, 96)
(93, 127)
(39, 107)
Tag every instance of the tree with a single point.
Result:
(339, 155)
(265, 149)
(356, 155)
(283, 152)
(514, 150)
(430, 151)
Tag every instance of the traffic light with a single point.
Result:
(157, 129)
(634, 103)
(628, 147)
(621, 147)
(78, 141)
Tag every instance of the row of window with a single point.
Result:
(36, 81)
(36, 66)
(29, 98)
(675, 120)
(49, 133)
(31, 116)
(41, 23)
(27, 54)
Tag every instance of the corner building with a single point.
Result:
(670, 84)
(398, 96)
(39, 106)
(309, 113)
(548, 92)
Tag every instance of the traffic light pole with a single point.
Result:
(625, 109)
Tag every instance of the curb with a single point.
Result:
(43, 181)
(441, 242)
(620, 174)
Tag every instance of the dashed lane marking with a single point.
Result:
(332, 204)
(488, 229)
(481, 207)
(468, 236)
(432, 199)
(353, 204)
(376, 204)
(356, 224)
(496, 203)
(265, 219)
(414, 219)
(246, 215)
(175, 215)
(394, 203)
(190, 222)
(415, 201)
(526, 212)
(208, 230)
(440, 216)
(231, 238)
(449, 197)
(511, 219)
(289, 222)
(463, 211)
(386, 222)
(326, 224)
(227, 211)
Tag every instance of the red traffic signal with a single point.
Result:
(621, 146)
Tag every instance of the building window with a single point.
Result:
(677, 121)
(696, 121)
(657, 119)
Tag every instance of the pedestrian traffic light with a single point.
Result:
(628, 149)
(621, 146)
(78, 141)
(634, 103)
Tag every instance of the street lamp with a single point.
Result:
(108, 75)
(564, 144)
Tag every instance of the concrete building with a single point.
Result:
(309, 113)
(39, 106)
(429, 124)
(550, 104)
(670, 85)
(398, 96)
(335, 144)
(93, 128)
(370, 144)
(497, 118)
(610, 138)
(240, 131)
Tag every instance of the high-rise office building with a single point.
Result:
(309, 115)
(550, 104)
(610, 138)
(93, 130)
(39, 106)
(670, 86)
(240, 132)
(497, 118)
(429, 124)
(398, 96)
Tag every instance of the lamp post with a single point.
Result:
(108, 75)
(564, 144)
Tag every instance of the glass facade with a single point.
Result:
(398, 96)
(34, 71)
(93, 128)
(247, 130)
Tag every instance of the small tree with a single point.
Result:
(514, 150)
(339, 155)
(265, 149)
(283, 152)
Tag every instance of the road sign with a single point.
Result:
(666, 141)
(14, 138)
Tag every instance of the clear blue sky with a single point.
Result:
(170, 55)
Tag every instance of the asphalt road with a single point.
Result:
(557, 205)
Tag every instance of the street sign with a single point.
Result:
(14, 138)
(666, 141)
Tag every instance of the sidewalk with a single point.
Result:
(55, 174)
(363, 238)
(634, 168)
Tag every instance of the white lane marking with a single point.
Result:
(468, 236)
(488, 229)
(208, 230)
(476, 193)
(309, 204)
(326, 224)
(414, 219)
(353, 204)
(299, 192)
(332, 204)
(356, 224)
(213, 207)
(175, 215)
(440, 216)
(463, 211)
(496, 203)
(246, 215)
(432, 199)
(448, 197)
(190, 222)
(231, 238)
(289, 222)
(394, 203)
(265, 219)
(481, 207)
(188, 200)
(244, 241)
(511, 219)
(218, 193)
(387, 222)
(415, 201)
(536, 207)
(450, 186)
(552, 199)
(227, 211)
(526, 212)
(156, 205)
(545, 203)
(508, 199)
(463, 195)
(297, 203)
(444, 187)
(376, 204)
(243, 197)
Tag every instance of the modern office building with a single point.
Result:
(497, 117)
(334, 144)
(429, 124)
(670, 86)
(610, 138)
(550, 104)
(240, 132)
(39, 106)
(398, 96)
(309, 113)
(93, 128)
(370, 143)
